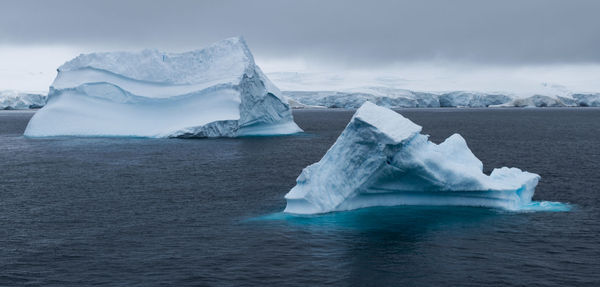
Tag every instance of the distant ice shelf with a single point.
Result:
(218, 91)
(402, 98)
(18, 100)
(382, 159)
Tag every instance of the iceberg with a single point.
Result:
(16, 100)
(382, 159)
(217, 91)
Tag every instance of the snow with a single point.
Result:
(439, 77)
(396, 98)
(401, 98)
(435, 84)
(382, 159)
(588, 100)
(543, 101)
(17, 100)
(213, 92)
(471, 99)
(354, 98)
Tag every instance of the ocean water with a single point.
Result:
(149, 212)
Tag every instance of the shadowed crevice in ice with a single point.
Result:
(382, 159)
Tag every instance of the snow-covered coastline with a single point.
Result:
(441, 84)
(20, 100)
(401, 98)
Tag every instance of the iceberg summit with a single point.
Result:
(382, 159)
(215, 92)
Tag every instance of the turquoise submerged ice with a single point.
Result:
(382, 159)
(212, 92)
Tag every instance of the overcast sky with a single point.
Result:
(362, 32)
(38, 36)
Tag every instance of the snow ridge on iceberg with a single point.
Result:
(218, 91)
(382, 159)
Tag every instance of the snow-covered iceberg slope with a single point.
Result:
(213, 92)
(381, 159)
(15, 100)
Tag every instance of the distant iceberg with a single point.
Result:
(16, 100)
(382, 159)
(215, 92)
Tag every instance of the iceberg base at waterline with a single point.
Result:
(382, 159)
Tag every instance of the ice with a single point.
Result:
(401, 98)
(214, 92)
(432, 77)
(17, 100)
(587, 100)
(396, 98)
(472, 99)
(382, 159)
(543, 101)
(354, 98)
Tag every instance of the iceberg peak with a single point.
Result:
(387, 122)
(226, 57)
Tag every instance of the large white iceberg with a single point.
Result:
(216, 91)
(382, 159)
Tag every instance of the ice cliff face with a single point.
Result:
(353, 99)
(381, 158)
(213, 92)
(14, 100)
(400, 98)
(472, 100)
(395, 98)
(587, 100)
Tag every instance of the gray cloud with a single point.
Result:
(364, 32)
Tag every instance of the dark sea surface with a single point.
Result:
(150, 212)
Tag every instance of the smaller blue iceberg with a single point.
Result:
(382, 159)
